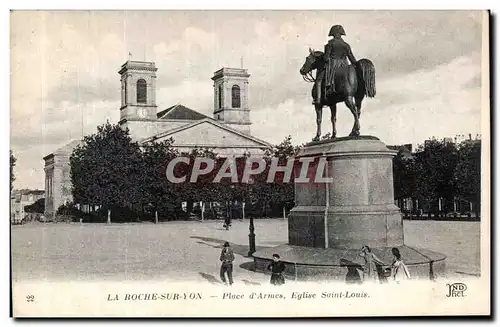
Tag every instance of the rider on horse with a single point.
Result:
(337, 51)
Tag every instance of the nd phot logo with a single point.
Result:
(456, 290)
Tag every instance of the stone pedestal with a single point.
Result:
(332, 220)
(358, 205)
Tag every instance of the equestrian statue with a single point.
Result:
(338, 81)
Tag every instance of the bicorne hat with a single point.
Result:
(336, 29)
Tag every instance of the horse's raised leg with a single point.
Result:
(333, 109)
(319, 114)
(349, 102)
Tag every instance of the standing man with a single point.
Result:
(227, 258)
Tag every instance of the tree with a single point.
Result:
(12, 165)
(278, 192)
(38, 206)
(434, 165)
(155, 193)
(203, 188)
(405, 174)
(467, 175)
(399, 170)
(283, 150)
(105, 169)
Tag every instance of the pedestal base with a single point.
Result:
(347, 227)
(355, 207)
(319, 264)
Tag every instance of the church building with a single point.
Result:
(227, 132)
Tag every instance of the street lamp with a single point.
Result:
(251, 228)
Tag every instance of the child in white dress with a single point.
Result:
(399, 271)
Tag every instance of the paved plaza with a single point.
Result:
(190, 250)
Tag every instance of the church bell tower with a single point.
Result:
(138, 80)
(231, 98)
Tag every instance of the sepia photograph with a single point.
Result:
(249, 163)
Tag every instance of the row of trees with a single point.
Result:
(114, 173)
(440, 169)
(110, 171)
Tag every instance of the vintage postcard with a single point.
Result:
(228, 163)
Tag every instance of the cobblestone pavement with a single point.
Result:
(190, 250)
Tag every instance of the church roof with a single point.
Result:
(211, 121)
(64, 150)
(180, 112)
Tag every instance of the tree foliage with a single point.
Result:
(440, 169)
(283, 150)
(154, 194)
(435, 163)
(110, 170)
(467, 174)
(38, 206)
(278, 191)
(106, 168)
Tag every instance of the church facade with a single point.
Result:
(227, 132)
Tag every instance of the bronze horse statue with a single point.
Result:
(353, 83)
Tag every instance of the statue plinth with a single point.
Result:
(332, 220)
(358, 204)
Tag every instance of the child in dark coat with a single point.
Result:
(277, 267)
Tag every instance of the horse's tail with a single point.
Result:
(367, 72)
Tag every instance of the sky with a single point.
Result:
(65, 81)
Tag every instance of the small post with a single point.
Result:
(109, 216)
(251, 237)
(284, 212)
(454, 205)
(156, 216)
(242, 210)
(202, 210)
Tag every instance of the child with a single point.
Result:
(227, 258)
(399, 271)
(370, 272)
(227, 222)
(277, 267)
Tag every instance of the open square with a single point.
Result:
(190, 250)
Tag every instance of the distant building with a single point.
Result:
(227, 132)
(459, 138)
(405, 150)
(57, 177)
(21, 198)
(471, 140)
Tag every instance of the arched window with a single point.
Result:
(235, 96)
(220, 96)
(142, 91)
